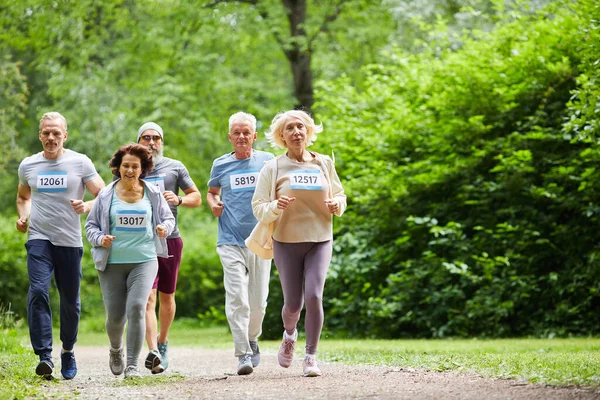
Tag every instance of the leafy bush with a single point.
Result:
(470, 202)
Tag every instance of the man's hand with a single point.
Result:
(217, 209)
(78, 206)
(22, 224)
(171, 197)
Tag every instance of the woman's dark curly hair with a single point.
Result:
(137, 150)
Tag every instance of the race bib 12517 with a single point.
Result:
(306, 180)
(52, 181)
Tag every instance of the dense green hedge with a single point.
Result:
(473, 185)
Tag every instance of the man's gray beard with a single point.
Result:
(157, 156)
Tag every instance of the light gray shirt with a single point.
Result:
(170, 175)
(53, 183)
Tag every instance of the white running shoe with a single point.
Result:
(309, 366)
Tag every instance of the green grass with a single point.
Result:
(558, 362)
(16, 361)
(150, 380)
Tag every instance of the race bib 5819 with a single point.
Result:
(52, 181)
(131, 221)
(243, 180)
(306, 180)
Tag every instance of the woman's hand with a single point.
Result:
(107, 241)
(284, 202)
(161, 231)
(332, 206)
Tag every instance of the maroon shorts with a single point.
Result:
(168, 268)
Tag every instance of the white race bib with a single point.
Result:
(52, 181)
(306, 180)
(131, 221)
(243, 180)
(158, 181)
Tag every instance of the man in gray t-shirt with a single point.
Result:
(49, 201)
(169, 176)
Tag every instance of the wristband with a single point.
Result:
(180, 201)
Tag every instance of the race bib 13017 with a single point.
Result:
(131, 221)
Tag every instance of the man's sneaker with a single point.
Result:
(115, 361)
(45, 367)
(68, 366)
(309, 366)
(152, 361)
(285, 355)
(255, 353)
(245, 365)
(164, 355)
(132, 371)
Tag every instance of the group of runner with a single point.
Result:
(137, 249)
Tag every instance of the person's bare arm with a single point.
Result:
(23, 206)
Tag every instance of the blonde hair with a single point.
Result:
(275, 131)
(52, 115)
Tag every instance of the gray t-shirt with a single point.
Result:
(171, 175)
(53, 183)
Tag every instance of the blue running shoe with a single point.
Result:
(45, 367)
(68, 367)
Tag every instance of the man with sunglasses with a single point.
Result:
(169, 176)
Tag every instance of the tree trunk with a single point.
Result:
(299, 55)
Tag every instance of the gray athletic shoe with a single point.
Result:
(255, 353)
(245, 365)
(115, 361)
(132, 371)
(153, 361)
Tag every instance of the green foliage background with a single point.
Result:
(466, 139)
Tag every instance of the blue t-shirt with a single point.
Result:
(131, 223)
(237, 180)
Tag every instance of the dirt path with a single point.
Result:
(209, 374)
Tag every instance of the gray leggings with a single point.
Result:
(302, 271)
(125, 290)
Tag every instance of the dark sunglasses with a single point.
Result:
(148, 138)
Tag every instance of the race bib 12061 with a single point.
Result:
(52, 181)
(306, 180)
(131, 221)
(243, 180)
(158, 181)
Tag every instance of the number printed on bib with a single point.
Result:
(131, 221)
(306, 180)
(158, 181)
(52, 181)
(243, 180)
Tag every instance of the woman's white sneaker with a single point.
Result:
(309, 366)
(285, 355)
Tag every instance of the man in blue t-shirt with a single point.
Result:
(49, 203)
(246, 276)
